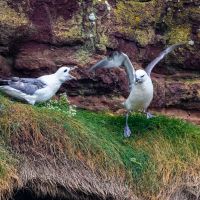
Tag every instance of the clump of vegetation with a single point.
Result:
(68, 30)
(179, 34)
(61, 104)
(144, 37)
(10, 17)
(162, 153)
(82, 55)
(130, 15)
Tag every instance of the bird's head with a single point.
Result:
(140, 76)
(63, 73)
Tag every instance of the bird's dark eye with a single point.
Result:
(65, 70)
(142, 76)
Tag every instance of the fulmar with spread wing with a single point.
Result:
(140, 83)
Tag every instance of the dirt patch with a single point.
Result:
(114, 104)
(191, 116)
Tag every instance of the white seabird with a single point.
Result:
(140, 84)
(34, 90)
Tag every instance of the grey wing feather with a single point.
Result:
(105, 63)
(25, 85)
(151, 65)
(130, 70)
(117, 59)
(34, 81)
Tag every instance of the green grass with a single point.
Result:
(156, 146)
(161, 152)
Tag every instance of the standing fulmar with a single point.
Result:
(140, 83)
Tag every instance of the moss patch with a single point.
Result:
(132, 14)
(10, 17)
(82, 55)
(179, 34)
(144, 37)
(68, 30)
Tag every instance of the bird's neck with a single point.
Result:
(145, 84)
(51, 80)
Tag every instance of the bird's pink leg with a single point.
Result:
(127, 131)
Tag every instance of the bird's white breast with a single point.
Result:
(140, 96)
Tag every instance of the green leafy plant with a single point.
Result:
(61, 104)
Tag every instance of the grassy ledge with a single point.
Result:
(162, 154)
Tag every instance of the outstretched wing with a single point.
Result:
(117, 59)
(151, 65)
(25, 85)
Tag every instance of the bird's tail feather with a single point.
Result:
(3, 82)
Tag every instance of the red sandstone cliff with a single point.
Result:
(36, 36)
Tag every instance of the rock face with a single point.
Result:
(36, 37)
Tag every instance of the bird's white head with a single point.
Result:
(140, 76)
(63, 74)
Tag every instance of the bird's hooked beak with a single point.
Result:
(70, 76)
(138, 80)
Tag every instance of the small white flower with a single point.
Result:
(169, 9)
(191, 42)
(108, 5)
(92, 17)
(62, 105)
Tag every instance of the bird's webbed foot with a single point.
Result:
(149, 115)
(127, 131)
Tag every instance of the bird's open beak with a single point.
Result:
(73, 68)
(137, 80)
(70, 76)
